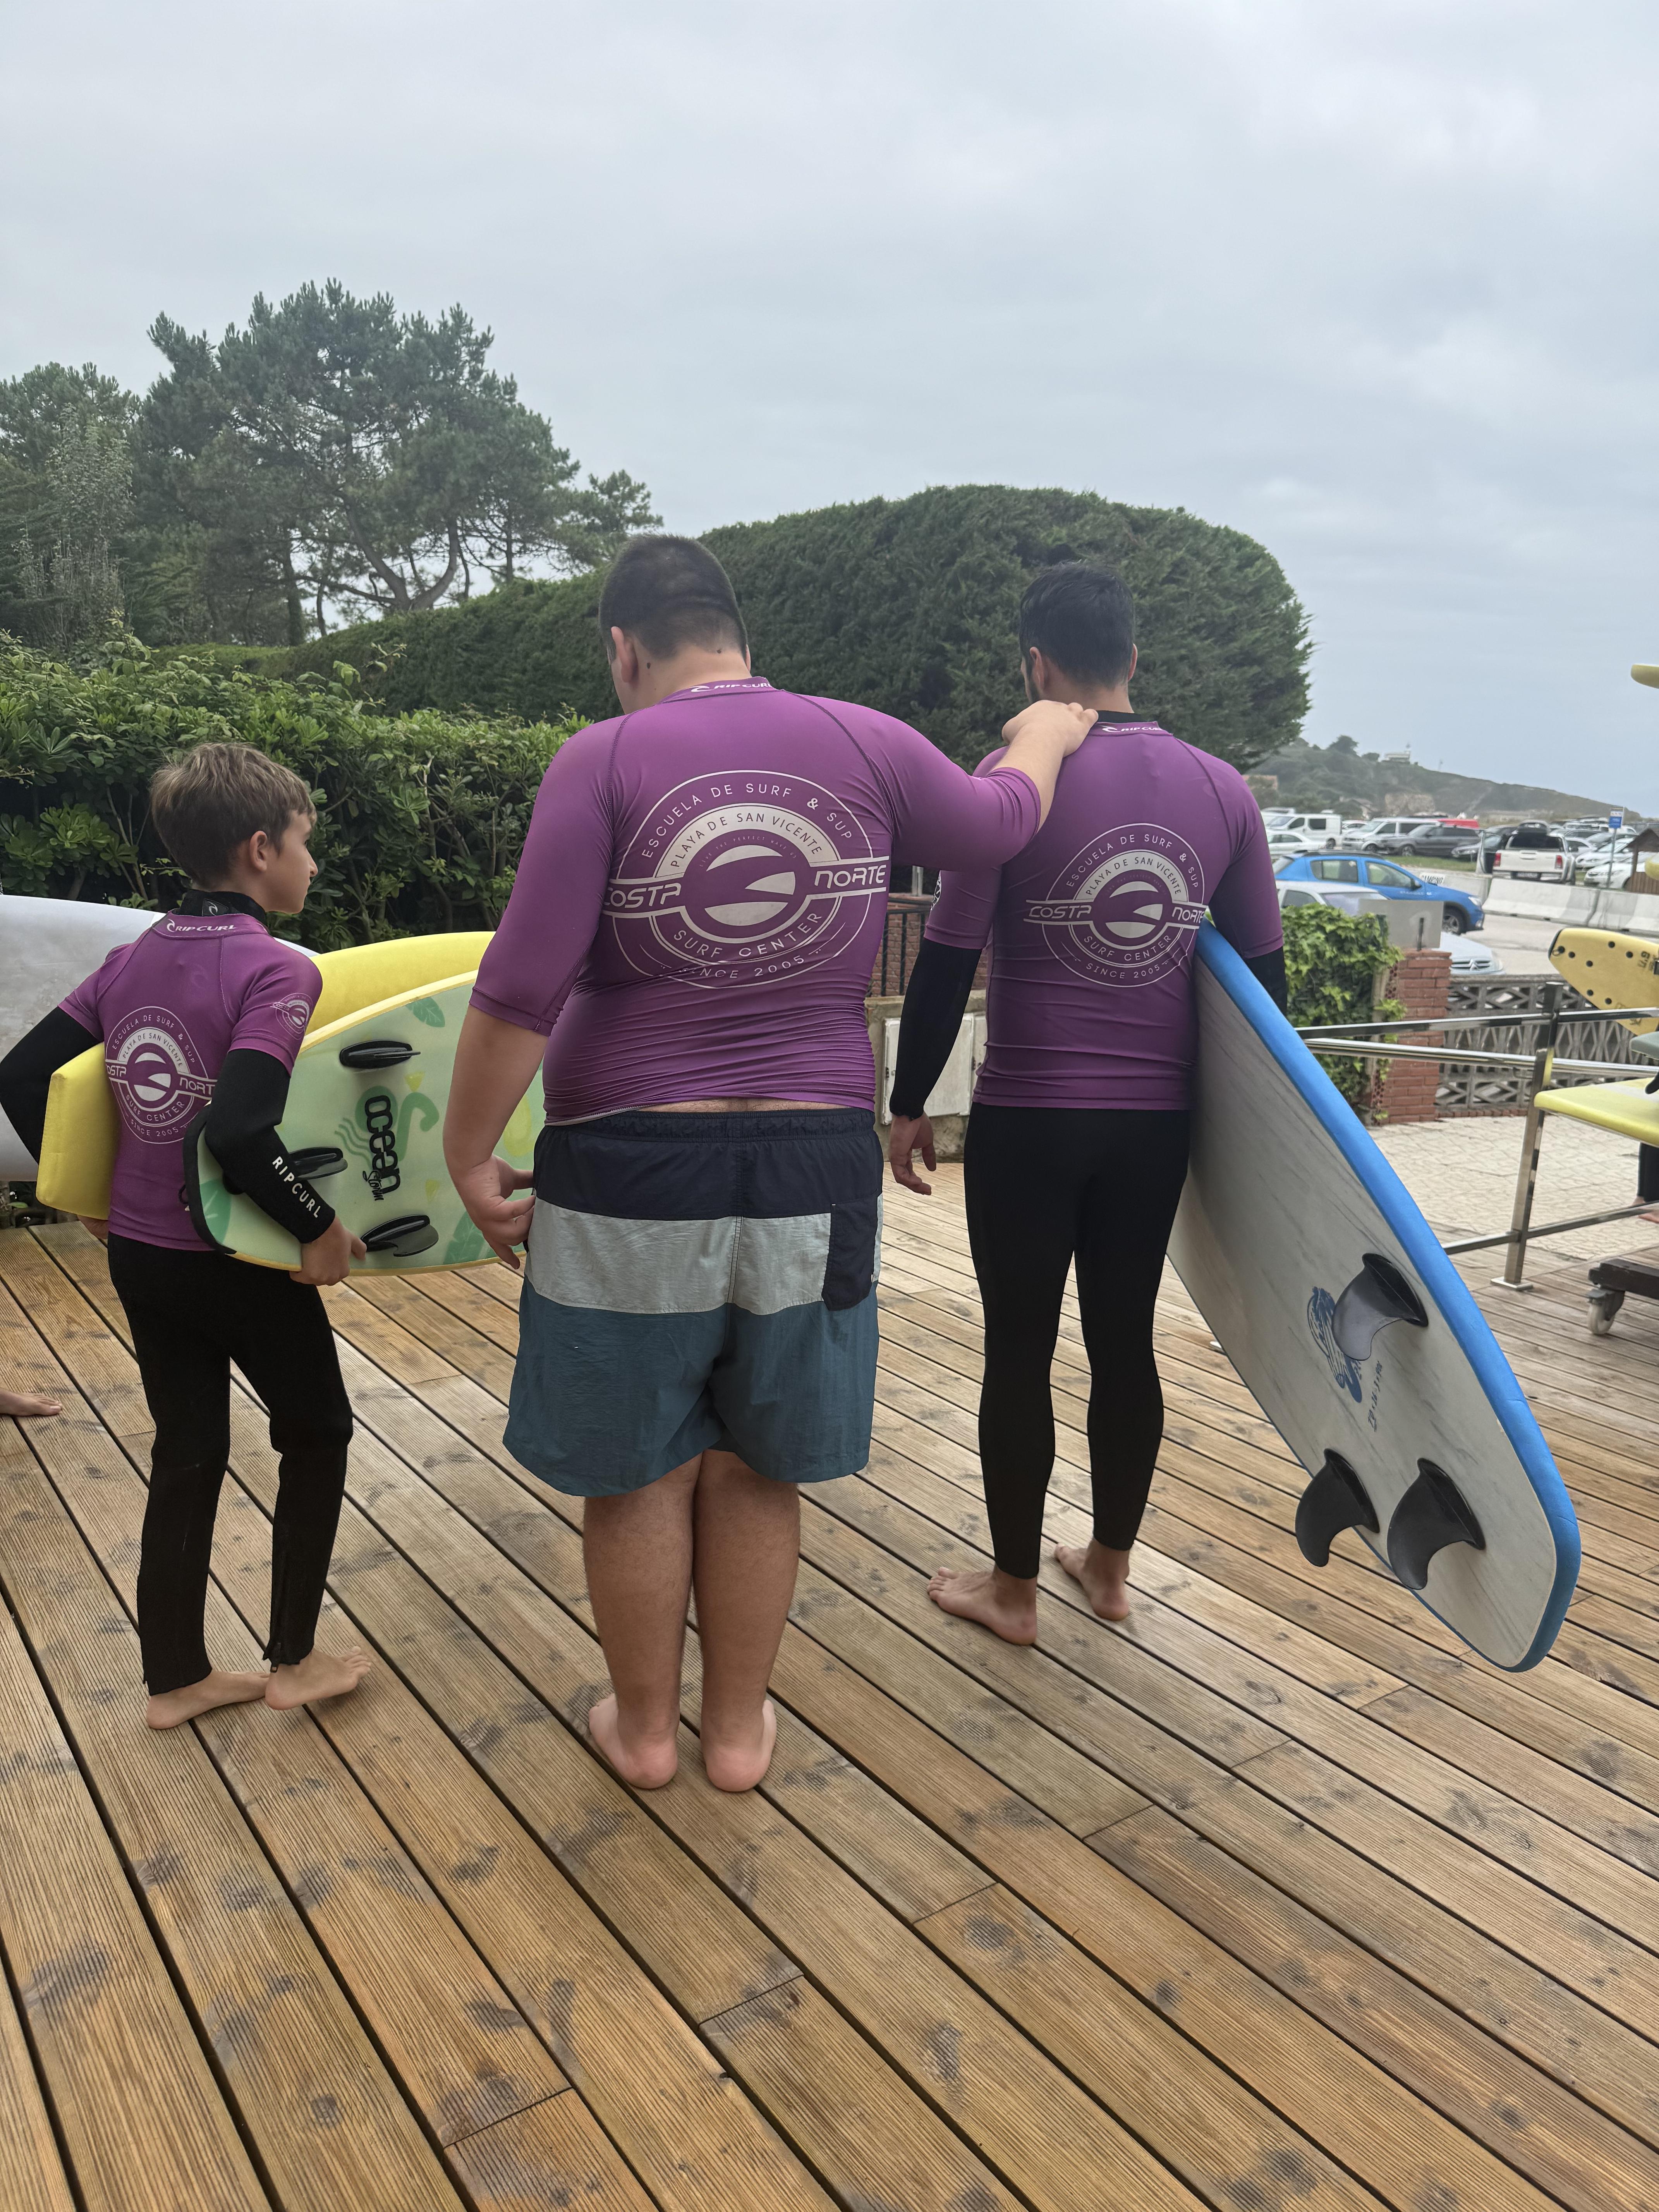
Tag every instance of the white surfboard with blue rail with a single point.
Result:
(1330, 1294)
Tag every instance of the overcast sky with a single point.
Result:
(1376, 284)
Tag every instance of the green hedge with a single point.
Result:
(909, 605)
(1331, 962)
(421, 817)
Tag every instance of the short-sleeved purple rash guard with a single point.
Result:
(169, 1006)
(702, 892)
(1091, 999)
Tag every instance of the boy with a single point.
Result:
(207, 1010)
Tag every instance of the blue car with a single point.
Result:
(1460, 911)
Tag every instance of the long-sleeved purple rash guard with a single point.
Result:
(1092, 1001)
(703, 889)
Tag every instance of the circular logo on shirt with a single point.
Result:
(1124, 909)
(156, 1074)
(743, 879)
(297, 1012)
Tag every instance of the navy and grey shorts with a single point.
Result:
(699, 1281)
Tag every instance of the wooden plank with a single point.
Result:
(34, 2177)
(143, 2121)
(875, 2144)
(313, 2095)
(1349, 2106)
(553, 2153)
(1569, 2150)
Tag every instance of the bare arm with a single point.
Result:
(1040, 738)
(495, 1063)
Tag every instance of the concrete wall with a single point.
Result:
(1633, 914)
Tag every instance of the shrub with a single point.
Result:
(1331, 962)
(420, 816)
(909, 605)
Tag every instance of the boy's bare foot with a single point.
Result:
(27, 1406)
(1103, 1575)
(174, 1707)
(1006, 1604)
(641, 1765)
(318, 1675)
(738, 1763)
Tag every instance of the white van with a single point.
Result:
(1308, 833)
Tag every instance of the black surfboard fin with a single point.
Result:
(377, 1052)
(1432, 1514)
(1335, 1500)
(1378, 1294)
(317, 1161)
(409, 1234)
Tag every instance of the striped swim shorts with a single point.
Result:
(697, 1282)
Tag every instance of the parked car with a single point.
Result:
(1466, 959)
(1426, 840)
(1605, 868)
(1460, 911)
(1275, 817)
(1532, 852)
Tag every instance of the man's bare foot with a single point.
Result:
(318, 1675)
(1006, 1604)
(27, 1406)
(1103, 1575)
(174, 1707)
(740, 1763)
(641, 1765)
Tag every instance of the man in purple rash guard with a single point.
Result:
(1077, 1143)
(687, 950)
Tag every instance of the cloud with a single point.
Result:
(1375, 284)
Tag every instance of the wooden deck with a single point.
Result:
(1274, 1899)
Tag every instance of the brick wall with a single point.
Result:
(1421, 982)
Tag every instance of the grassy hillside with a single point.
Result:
(1340, 776)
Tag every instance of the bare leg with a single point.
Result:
(638, 1553)
(27, 1405)
(748, 1548)
(318, 1675)
(1006, 1604)
(215, 1689)
(1103, 1574)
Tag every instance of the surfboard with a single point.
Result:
(365, 1126)
(1628, 1110)
(1610, 969)
(1331, 1296)
(77, 1151)
(48, 946)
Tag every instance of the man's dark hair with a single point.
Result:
(1080, 617)
(668, 594)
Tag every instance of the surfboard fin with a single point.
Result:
(1378, 1294)
(1432, 1514)
(377, 1052)
(409, 1234)
(1335, 1500)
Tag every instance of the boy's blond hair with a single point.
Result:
(206, 804)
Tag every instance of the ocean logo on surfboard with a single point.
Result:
(1126, 909)
(1321, 1322)
(156, 1074)
(741, 878)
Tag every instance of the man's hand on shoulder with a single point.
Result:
(1052, 718)
(908, 1137)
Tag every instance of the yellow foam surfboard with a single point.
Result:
(84, 1127)
(1628, 1110)
(1610, 968)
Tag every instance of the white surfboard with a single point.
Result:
(48, 946)
(1330, 1294)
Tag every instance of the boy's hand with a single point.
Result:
(909, 1137)
(487, 1193)
(99, 1228)
(328, 1258)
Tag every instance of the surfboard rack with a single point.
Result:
(1379, 1295)
(1432, 1514)
(407, 1235)
(1335, 1500)
(378, 1052)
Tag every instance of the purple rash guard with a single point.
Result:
(1093, 925)
(169, 1006)
(703, 890)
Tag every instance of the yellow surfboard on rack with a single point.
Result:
(84, 1127)
(1610, 968)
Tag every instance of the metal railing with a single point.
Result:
(1535, 1071)
(1468, 1087)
